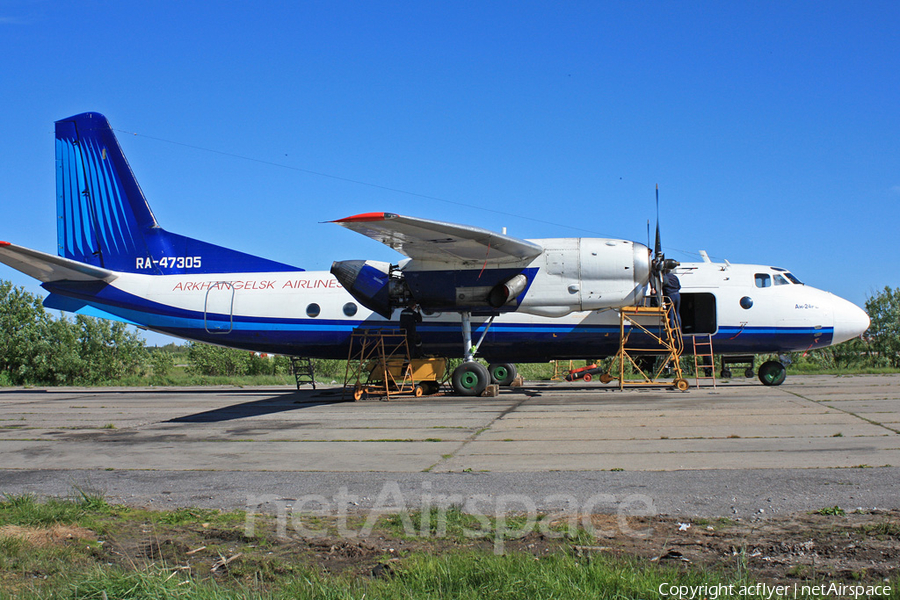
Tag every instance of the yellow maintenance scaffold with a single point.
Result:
(379, 364)
(666, 339)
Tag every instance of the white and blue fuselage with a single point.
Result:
(308, 313)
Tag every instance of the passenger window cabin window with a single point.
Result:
(762, 280)
(779, 280)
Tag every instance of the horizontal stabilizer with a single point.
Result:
(423, 239)
(48, 267)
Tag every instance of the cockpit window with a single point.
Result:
(762, 280)
(793, 279)
(779, 280)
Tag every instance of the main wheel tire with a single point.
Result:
(470, 379)
(502, 374)
(772, 372)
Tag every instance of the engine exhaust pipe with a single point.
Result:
(506, 291)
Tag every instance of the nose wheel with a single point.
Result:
(772, 372)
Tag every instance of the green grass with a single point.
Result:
(464, 575)
(82, 510)
(449, 523)
(188, 516)
(179, 377)
(460, 575)
(183, 379)
(885, 529)
(811, 369)
(835, 511)
(267, 567)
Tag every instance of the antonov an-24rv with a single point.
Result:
(524, 300)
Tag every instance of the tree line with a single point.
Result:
(37, 347)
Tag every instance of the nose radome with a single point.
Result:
(850, 321)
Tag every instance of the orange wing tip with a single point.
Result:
(367, 217)
(5, 244)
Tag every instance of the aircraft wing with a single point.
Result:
(47, 267)
(426, 240)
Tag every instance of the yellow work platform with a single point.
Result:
(379, 364)
(667, 342)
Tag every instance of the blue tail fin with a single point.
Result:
(104, 219)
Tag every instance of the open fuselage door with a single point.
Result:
(698, 313)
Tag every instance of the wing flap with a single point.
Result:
(427, 240)
(48, 267)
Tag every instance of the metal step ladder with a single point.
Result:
(654, 324)
(303, 371)
(703, 348)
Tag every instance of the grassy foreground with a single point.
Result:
(84, 548)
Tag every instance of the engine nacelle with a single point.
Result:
(372, 283)
(572, 274)
(587, 274)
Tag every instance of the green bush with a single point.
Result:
(884, 312)
(213, 361)
(108, 350)
(36, 348)
(161, 362)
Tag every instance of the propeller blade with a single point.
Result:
(658, 248)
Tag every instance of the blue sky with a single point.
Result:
(772, 128)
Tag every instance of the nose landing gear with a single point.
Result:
(772, 372)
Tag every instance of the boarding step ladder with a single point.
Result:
(703, 349)
(303, 371)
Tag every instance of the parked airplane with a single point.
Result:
(525, 300)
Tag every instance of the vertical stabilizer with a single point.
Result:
(105, 220)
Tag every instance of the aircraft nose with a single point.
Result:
(850, 321)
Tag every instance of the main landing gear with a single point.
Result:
(503, 374)
(471, 378)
